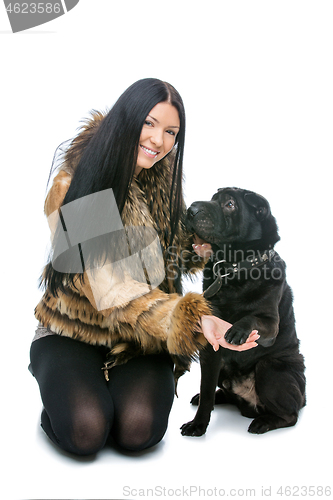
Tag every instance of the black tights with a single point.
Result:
(81, 410)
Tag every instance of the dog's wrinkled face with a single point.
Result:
(232, 215)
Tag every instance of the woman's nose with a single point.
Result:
(157, 138)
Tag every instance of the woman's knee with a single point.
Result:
(84, 433)
(140, 429)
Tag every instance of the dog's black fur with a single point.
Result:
(266, 382)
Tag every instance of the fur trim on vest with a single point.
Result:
(130, 317)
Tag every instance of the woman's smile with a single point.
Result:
(149, 152)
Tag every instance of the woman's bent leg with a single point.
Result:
(78, 409)
(142, 391)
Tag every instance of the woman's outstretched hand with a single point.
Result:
(214, 329)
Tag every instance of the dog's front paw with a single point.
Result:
(193, 429)
(237, 335)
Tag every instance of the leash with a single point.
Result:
(235, 269)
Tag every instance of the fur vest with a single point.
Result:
(131, 317)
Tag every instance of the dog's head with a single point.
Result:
(233, 216)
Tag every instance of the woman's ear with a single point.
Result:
(259, 203)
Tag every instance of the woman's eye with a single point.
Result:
(171, 132)
(147, 122)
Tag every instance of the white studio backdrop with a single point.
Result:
(256, 78)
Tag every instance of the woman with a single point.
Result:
(120, 311)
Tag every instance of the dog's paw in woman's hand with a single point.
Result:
(215, 330)
(238, 335)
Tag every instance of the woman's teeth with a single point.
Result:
(149, 151)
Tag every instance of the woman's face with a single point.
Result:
(158, 135)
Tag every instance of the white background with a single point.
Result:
(256, 79)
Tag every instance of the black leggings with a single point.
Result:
(82, 410)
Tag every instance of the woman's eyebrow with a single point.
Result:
(155, 119)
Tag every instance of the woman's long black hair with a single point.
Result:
(109, 158)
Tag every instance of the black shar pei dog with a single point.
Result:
(245, 283)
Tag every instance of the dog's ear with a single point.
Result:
(259, 203)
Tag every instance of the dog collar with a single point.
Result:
(222, 269)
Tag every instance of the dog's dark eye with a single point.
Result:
(229, 204)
